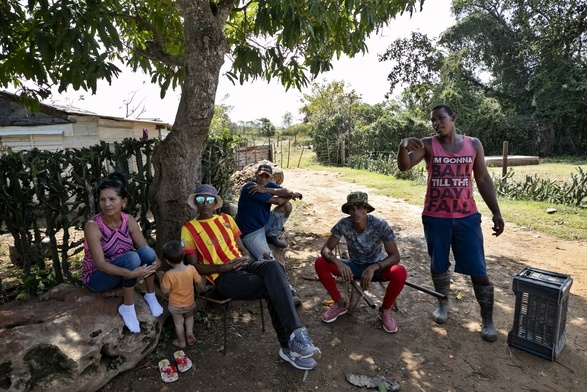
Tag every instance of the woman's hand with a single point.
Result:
(143, 271)
(156, 264)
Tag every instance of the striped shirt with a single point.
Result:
(212, 240)
(114, 243)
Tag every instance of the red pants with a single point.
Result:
(396, 275)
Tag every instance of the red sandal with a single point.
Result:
(168, 371)
(183, 362)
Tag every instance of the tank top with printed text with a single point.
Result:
(450, 182)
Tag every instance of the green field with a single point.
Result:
(568, 223)
(559, 170)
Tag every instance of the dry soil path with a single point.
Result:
(421, 356)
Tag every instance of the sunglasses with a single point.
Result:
(207, 199)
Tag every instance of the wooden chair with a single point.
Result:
(354, 291)
(213, 296)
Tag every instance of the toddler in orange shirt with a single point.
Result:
(178, 282)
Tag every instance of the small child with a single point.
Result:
(178, 282)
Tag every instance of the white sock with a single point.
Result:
(130, 317)
(156, 309)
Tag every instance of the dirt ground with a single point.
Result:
(421, 356)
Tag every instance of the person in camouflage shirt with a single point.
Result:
(373, 257)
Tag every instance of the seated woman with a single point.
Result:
(116, 252)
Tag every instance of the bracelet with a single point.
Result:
(380, 266)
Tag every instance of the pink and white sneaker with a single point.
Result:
(333, 312)
(389, 324)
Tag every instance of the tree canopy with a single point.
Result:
(73, 43)
(511, 69)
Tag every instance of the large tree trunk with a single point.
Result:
(177, 160)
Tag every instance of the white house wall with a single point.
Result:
(48, 137)
(84, 133)
(114, 131)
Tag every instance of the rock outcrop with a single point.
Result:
(240, 177)
(70, 339)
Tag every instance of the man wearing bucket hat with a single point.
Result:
(212, 244)
(373, 257)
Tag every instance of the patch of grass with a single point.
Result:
(567, 222)
(560, 171)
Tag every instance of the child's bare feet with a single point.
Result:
(178, 343)
(191, 339)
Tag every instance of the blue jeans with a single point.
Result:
(101, 281)
(275, 223)
(358, 269)
(256, 242)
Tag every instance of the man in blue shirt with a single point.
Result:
(260, 225)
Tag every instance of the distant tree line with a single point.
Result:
(512, 71)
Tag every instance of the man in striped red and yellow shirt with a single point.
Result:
(212, 244)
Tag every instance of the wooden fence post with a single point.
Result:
(288, 151)
(504, 167)
(300, 160)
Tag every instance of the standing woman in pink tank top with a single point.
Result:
(116, 252)
(450, 217)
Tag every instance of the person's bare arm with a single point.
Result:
(485, 186)
(392, 258)
(410, 152)
(279, 192)
(139, 240)
(278, 200)
(327, 252)
(233, 265)
(93, 235)
(201, 285)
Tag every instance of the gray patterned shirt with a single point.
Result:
(367, 247)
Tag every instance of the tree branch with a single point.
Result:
(154, 49)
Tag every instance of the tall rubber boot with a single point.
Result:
(441, 285)
(484, 295)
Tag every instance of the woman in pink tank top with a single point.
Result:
(116, 252)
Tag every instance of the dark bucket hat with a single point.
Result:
(355, 198)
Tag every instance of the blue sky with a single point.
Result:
(365, 74)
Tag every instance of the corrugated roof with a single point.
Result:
(14, 114)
